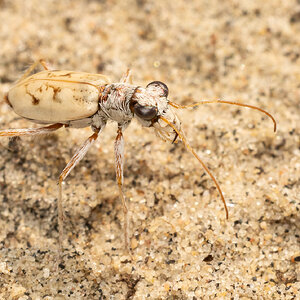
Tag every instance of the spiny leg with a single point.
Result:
(80, 153)
(30, 131)
(119, 162)
(32, 67)
(127, 77)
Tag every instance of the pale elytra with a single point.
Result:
(78, 99)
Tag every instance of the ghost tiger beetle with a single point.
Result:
(78, 99)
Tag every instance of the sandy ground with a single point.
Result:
(182, 246)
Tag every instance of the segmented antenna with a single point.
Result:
(226, 102)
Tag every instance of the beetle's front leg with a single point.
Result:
(119, 162)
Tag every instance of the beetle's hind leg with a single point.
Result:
(80, 153)
(30, 131)
(32, 67)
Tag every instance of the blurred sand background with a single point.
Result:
(183, 248)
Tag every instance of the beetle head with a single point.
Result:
(149, 104)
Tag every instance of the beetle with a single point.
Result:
(77, 99)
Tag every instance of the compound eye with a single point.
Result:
(164, 91)
(145, 112)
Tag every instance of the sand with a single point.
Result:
(182, 245)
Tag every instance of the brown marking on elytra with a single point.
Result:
(69, 75)
(35, 101)
(55, 91)
(98, 87)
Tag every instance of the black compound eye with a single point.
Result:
(164, 91)
(145, 112)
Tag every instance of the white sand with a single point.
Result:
(183, 248)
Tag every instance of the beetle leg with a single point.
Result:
(127, 77)
(119, 161)
(32, 67)
(80, 153)
(30, 131)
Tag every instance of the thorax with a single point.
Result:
(114, 103)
